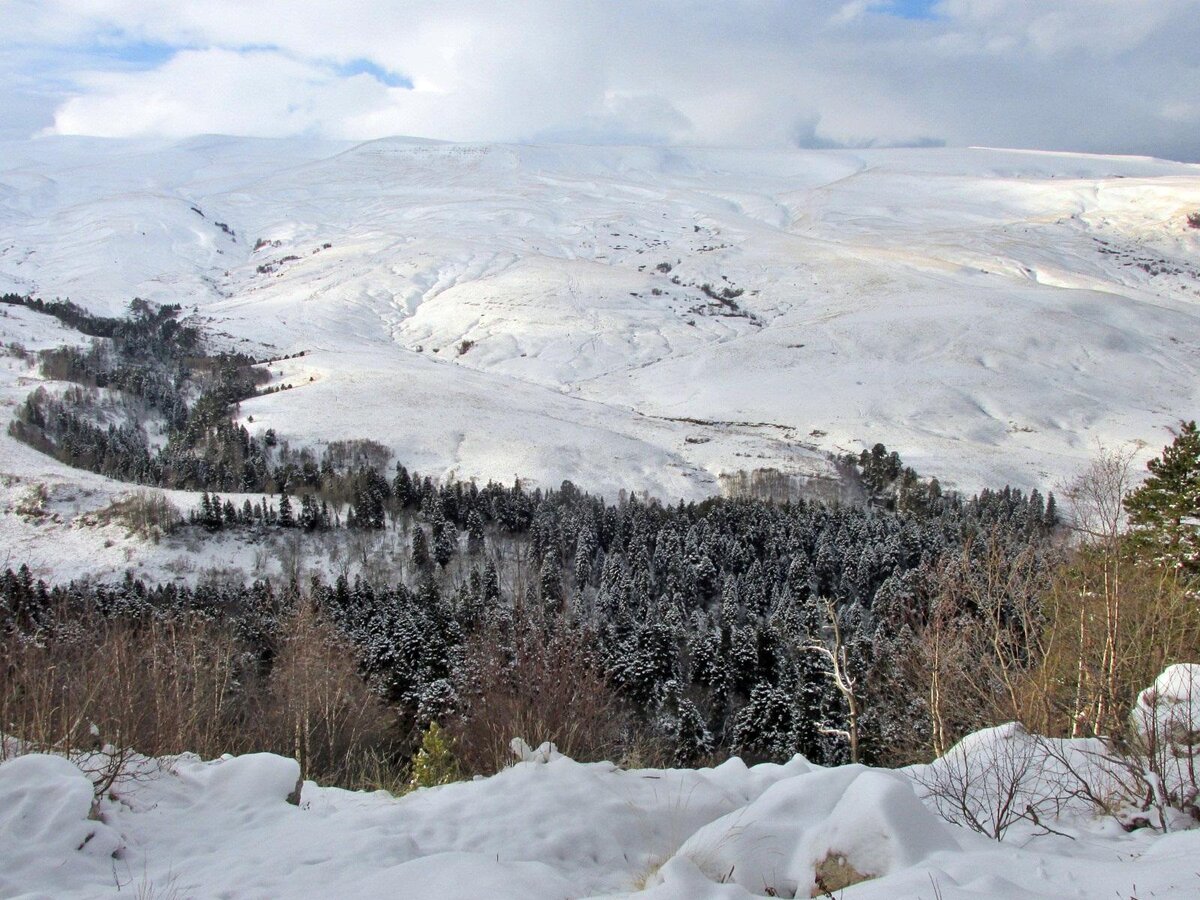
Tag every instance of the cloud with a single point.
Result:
(1098, 75)
(255, 92)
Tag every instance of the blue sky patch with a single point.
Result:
(909, 9)
(376, 71)
(138, 54)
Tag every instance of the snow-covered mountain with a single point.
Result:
(650, 318)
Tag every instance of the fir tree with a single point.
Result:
(1164, 512)
(434, 763)
(550, 586)
(475, 533)
(765, 726)
(286, 518)
(420, 549)
(693, 740)
(445, 542)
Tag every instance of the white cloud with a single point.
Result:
(1102, 75)
(220, 91)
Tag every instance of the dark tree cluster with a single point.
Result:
(704, 615)
(143, 321)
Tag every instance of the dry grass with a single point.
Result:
(32, 504)
(834, 873)
(146, 514)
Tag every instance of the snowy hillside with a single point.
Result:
(649, 318)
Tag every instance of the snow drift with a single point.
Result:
(550, 827)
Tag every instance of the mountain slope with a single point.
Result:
(650, 318)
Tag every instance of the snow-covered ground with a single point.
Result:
(552, 829)
(490, 310)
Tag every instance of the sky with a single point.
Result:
(1106, 76)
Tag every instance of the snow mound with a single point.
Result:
(543, 831)
(461, 876)
(252, 781)
(865, 819)
(46, 822)
(545, 752)
(1171, 706)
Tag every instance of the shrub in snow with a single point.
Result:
(1167, 722)
(1145, 775)
(545, 751)
(251, 782)
(1169, 710)
(434, 763)
(991, 780)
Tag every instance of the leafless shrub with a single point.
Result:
(992, 780)
(103, 688)
(146, 514)
(357, 453)
(773, 486)
(540, 683)
(1146, 775)
(100, 689)
(984, 625)
(317, 709)
(1105, 638)
(160, 686)
(15, 349)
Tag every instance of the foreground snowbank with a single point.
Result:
(544, 829)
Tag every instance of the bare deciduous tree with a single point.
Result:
(833, 650)
(1097, 515)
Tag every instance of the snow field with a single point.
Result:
(492, 310)
(551, 829)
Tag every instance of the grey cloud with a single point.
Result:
(1095, 75)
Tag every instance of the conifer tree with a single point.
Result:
(434, 763)
(1164, 512)
(286, 518)
(693, 740)
(420, 548)
(445, 542)
(1050, 519)
(475, 533)
(490, 589)
(550, 585)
